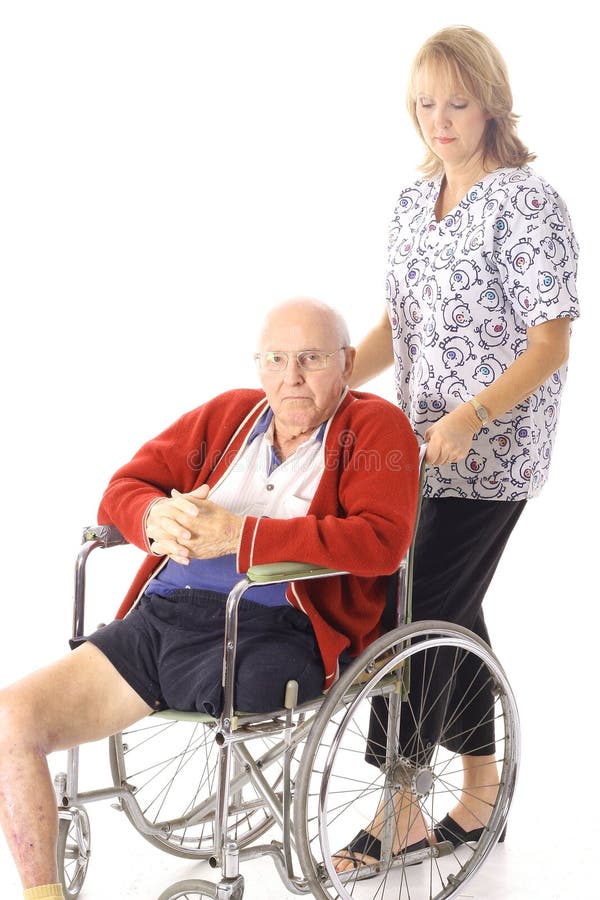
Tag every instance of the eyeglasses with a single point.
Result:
(308, 360)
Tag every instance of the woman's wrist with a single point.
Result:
(469, 417)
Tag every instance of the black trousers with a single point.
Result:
(458, 546)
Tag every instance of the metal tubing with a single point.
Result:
(100, 794)
(231, 860)
(228, 682)
(94, 536)
(258, 779)
(231, 623)
(294, 885)
(389, 791)
(402, 601)
(288, 836)
(79, 597)
(73, 774)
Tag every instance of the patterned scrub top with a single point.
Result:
(461, 295)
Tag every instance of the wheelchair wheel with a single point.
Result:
(73, 851)
(170, 769)
(190, 890)
(369, 714)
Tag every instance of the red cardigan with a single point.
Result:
(360, 519)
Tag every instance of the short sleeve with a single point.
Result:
(536, 252)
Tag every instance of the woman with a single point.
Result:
(481, 294)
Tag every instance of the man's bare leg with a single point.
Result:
(78, 699)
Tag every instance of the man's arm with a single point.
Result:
(147, 479)
(180, 458)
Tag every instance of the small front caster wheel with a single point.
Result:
(73, 850)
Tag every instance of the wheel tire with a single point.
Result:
(190, 890)
(338, 791)
(73, 851)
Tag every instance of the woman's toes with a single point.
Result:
(343, 862)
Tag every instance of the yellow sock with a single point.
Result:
(44, 892)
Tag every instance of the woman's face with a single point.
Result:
(452, 122)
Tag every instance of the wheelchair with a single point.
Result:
(309, 776)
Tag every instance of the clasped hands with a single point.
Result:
(188, 526)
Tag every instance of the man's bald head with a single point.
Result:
(301, 309)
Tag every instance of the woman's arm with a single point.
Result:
(547, 350)
(374, 354)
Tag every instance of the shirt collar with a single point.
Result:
(262, 425)
(265, 420)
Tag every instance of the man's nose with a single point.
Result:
(293, 371)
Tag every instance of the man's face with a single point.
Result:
(301, 400)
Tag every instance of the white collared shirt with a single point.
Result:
(256, 485)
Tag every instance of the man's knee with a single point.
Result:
(20, 723)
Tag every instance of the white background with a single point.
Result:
(168, 172)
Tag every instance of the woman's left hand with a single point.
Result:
(450, 438)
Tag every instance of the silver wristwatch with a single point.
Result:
(482, 413)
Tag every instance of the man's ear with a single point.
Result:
(349, 357)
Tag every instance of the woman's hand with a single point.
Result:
(547, 349)
(450, 438)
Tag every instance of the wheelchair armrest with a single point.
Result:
(93, 536)
(273, 573)
(107, 535)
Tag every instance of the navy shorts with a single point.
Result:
(170, 650)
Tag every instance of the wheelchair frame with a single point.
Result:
(383, 670)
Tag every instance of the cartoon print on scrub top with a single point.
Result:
(461, 294)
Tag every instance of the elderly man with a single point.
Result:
(303, 470)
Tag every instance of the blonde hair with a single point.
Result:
(469, 60)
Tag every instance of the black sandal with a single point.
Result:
(368, 845)
(455, 834)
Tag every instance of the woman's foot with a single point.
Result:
(365, 848)
(448, 831)
(478, 795)
(472, 811)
